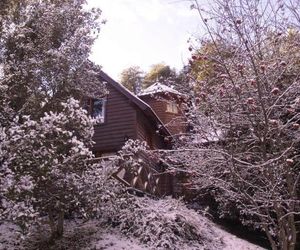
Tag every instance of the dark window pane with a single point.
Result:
(99, 109)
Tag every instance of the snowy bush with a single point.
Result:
(159, 224)
(45, 167)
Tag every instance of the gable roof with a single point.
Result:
(159, 88)
(144, 107)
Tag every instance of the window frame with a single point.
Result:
(103, 115)
(89, 103)
(172, 107)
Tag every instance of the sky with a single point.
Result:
(143, 33)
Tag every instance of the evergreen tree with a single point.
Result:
(45, 136)
(44, 53)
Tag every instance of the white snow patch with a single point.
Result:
(158, 88)
(114, 241)
(94, 235)
(231, 242)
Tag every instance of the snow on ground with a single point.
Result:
(161, 224)
(232, 242)
(94, 235)
(78, 235)
(114, 241)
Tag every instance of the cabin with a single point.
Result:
(122, 116)
(154, 116)
(168, 104)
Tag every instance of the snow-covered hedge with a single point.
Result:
(159, 224)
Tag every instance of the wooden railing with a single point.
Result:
(147, 176)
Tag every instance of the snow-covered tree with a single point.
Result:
(44, 53)
(245, 114)
(46, 168)
(45, 136)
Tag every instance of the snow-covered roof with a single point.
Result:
(158, 88)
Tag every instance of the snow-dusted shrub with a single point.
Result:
(46, 169)
(159, 224)
(132, 147)
(129, 156)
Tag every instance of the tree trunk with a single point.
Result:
(60, 224)
(57, 229)
(270, 238)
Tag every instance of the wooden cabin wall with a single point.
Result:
(146, 131)
(119, 125)
(174, 122)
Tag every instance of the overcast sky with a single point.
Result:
(143, 32)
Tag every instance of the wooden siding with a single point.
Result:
(119, 125)
(146, 131)
(174, 122)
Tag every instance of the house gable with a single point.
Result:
(126, 117)
(119, 124)
(168, 104)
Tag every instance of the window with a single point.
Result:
(172, 107)
(98, 109)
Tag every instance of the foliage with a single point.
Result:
(132, 79)
(245, 119)
(159, 224)
(159, 72)
(45, 167)
(45, 136)
(6, 113)
(44, 52)
(204, 61)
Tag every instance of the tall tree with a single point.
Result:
(159, 72)
(44, 51)
(203, 66)
(45, 135)
(132, 78)
(247, 113)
